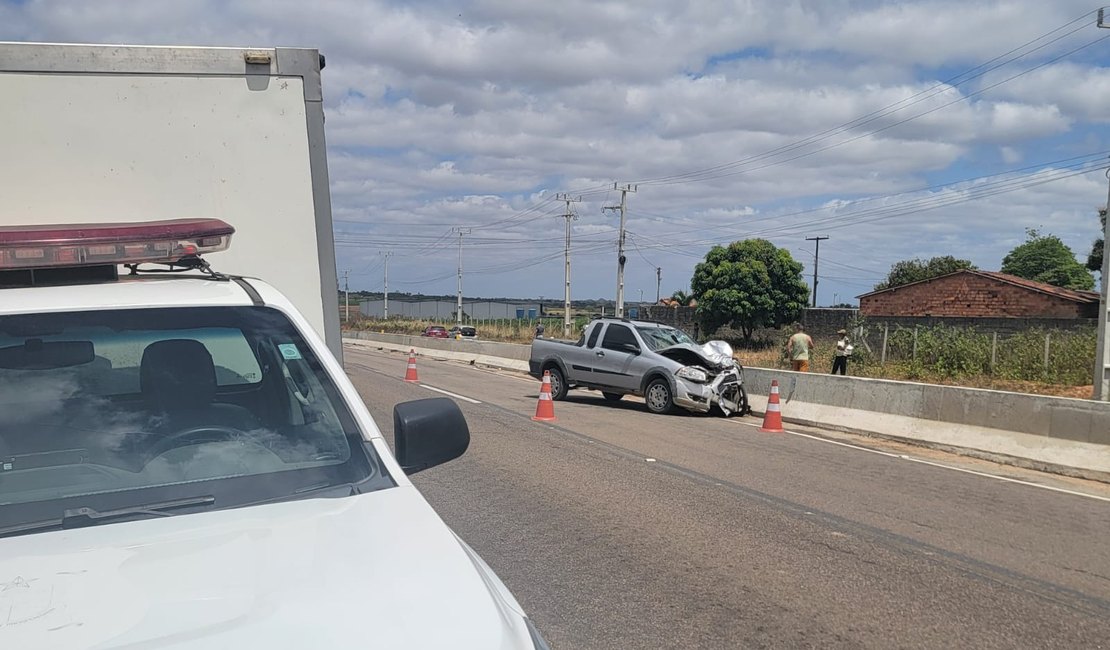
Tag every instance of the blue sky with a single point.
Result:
(736, 119)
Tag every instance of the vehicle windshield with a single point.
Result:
(109, 409)
(659, 338)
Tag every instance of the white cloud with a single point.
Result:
(469, 114)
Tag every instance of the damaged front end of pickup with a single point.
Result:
(709, 378)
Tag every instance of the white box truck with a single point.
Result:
(95, 134)
(183, 462)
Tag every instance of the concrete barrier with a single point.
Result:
(512, 356)
(1058, 434)
(1066, 436)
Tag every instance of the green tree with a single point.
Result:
(1044, 258)
(748, 284)
(916, 270)
(1094, 260)
(681, 297)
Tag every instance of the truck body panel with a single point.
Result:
(134, 133)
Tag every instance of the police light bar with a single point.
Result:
(164, 242)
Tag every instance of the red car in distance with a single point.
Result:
(435, 331)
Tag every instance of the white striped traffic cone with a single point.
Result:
(410, 374)
(772, 418)
(545, 408)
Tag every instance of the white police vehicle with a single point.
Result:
(183, 464)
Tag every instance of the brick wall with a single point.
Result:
(966, 295)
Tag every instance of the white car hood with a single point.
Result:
(379, 570)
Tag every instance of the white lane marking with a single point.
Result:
(820, 439)
(450, 394)
(940, 465)
(1008, 479)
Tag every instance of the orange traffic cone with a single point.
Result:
(772, 418)
(545, 408)
(410, 374)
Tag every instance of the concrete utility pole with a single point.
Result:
(346, 296)
(569, 216)
(816, 257)
(658, 282)
(385, 303)
(620, 244)
(1102, 348)
(458, 307)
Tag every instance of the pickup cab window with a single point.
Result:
(619, 338)
(114, 409)
(594, 334)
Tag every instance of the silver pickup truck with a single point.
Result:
(663, 364)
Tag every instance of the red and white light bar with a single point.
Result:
(165, 242)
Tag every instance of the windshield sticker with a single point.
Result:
(289, 351)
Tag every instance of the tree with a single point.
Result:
(916, 270)
(1094, 260)
(1044, 258)
(748, 284)
(682, 298)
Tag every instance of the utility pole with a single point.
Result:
(620, 244)
(346, 296)
(385, 303)
(1102, 348)
(569, 216)
(458, 307)
(658, 282)
(816, 257)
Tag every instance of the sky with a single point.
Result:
(897, 129)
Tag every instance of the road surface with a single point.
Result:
(616, 528)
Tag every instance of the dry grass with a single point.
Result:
(861, 364)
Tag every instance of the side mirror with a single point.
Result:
(428, 432)
(631, 348)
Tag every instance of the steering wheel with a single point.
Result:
(300, 390)
(202, 434)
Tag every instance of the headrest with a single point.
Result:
(177, 374)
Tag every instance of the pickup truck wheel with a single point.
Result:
(737, 403)
(658, 396)
(613, 397)
(558, 383)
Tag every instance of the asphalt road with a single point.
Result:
(616, 528)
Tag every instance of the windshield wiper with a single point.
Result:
(81, 517)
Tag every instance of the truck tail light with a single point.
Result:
(166, 242)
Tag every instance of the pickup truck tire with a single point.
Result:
(743, 408)
(658, 396)
(558, 383)
(613, 397)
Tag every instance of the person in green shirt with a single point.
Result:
(798, 348)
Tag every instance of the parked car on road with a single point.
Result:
(435, 331)
(463, 332)
(663, 364)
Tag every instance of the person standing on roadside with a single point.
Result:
(539, 330)
(798, 348)
(843, 351)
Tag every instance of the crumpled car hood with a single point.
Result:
(715, 355)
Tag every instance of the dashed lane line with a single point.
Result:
(450, 394)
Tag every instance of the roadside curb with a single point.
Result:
(473, 358)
